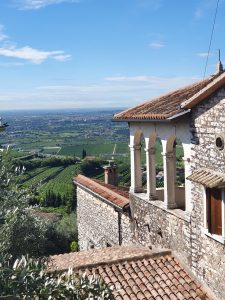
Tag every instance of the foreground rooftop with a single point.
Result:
(135, 272)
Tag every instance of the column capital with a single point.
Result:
(186, 159)
(135, 147)
(150, 150)
(168, 154)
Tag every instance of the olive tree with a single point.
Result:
(29, 279)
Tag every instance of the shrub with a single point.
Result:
(29, 279)
(74, 246)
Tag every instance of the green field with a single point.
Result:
(94, 149)
(54, 174)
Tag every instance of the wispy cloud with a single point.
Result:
(37, 4)
(8, 49)
(32, 55)
(153, 82)
(199, 13)
(118, 91)
(156, 45)
(3, 36)
(11, 64)
(204, 54)
(203, 7)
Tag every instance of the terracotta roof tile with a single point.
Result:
(118, 196)
(169, 105)
(127, 273)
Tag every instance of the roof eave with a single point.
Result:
(181, 114)
(168, 119)
(112, 204)
(140, 120)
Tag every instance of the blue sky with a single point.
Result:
(103, 53)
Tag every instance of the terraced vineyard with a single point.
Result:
(42, 175)
(50, 179)
(62, 183)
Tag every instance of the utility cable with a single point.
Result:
(211, 37)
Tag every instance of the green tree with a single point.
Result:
(84, 154)
(21, 231)
(29, 279)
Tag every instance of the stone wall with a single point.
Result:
(156, 226)
(153, 225)
(186, 235)
(208, 255)
(99, 222)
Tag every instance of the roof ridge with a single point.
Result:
(112, 260)
(154, 254)
(216, 82)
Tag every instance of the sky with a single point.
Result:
(62, 54)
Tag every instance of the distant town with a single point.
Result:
(64, 133)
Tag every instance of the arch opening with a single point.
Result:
(180, 174)
(159, 170)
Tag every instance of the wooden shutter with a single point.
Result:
(214, 211)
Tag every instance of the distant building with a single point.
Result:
(189, 219)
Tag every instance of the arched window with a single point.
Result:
(174, 187)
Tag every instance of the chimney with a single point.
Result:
(111, 176)
(219, 67)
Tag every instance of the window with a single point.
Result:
(214, 210)
(220, 142)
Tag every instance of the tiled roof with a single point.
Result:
(116, 195)
(208, 178)
(206, 91)
(169, 105)
(135, 273)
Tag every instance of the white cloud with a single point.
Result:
(128, 78)
(156, 45)
(204, 54)
(153, 82)
(204, 7)
(10, 50)
(11, 64)
(121, 91)
(33, 55)
(199, 13)
(3, 36)
(37, 4)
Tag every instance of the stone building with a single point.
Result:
(189, 219)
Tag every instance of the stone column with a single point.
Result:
(187, 184)
(136, 173)
(169, 180)
(151, 173)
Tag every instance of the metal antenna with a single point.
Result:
(211, 37)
